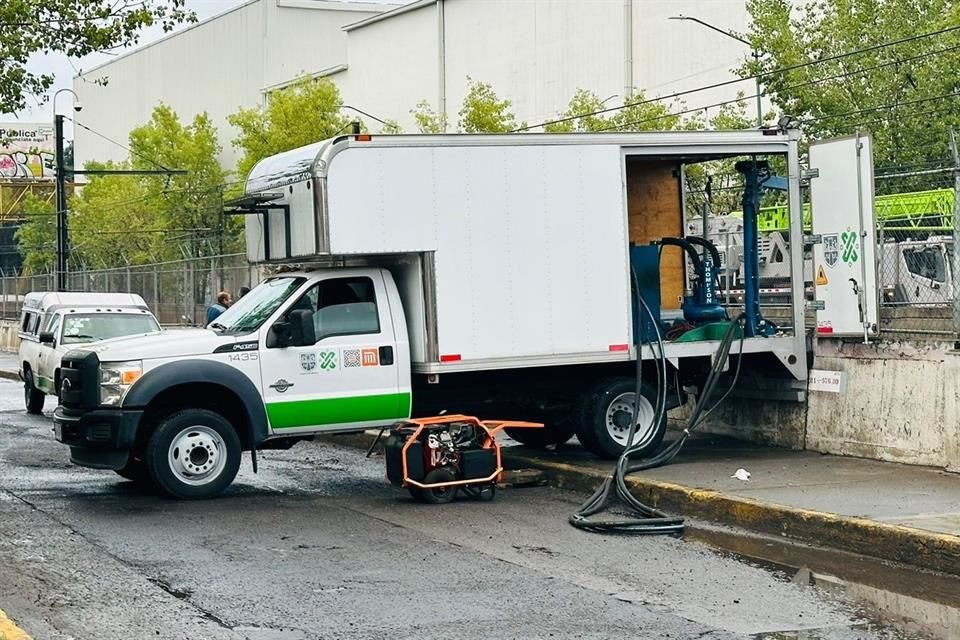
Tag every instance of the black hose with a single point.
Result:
(688, 248)
(648, 520)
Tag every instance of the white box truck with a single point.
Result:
(483, 274)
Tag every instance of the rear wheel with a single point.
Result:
(32, 397)
(606, 414)
(193, 454)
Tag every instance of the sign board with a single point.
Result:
(828, 381)
(841, 199)
(26, 150)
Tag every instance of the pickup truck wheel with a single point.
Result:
(193, 454)
(606, 419)
(32, 397)
(554, 432)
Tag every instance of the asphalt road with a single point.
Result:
(317, 546)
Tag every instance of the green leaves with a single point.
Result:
(74, 29)
(135, 219)
(306, 112)
(890, 91)
(484, 112)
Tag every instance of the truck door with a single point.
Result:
(49, 359)
(348, 380)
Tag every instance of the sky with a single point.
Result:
(65, 69)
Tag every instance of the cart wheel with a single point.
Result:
(440, 495)
(416, 494)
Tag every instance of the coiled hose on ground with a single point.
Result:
(642, 519)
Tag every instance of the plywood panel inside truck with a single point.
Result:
(654, 212)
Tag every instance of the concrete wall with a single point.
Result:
(901, 404)
(9, 340)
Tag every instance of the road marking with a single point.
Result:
(10, 631)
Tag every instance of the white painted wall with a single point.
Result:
(215, 66)
(537, 53)
(393, 66)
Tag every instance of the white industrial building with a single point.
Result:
(386, 58)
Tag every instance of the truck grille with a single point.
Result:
(78, 380)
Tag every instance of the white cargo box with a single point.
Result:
(508, 250)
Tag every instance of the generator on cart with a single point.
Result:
(434, 458)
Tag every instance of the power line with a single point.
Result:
(122, 146)
(725, 83)
(892, 105)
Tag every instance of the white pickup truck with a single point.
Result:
(53, 323)
(410, 274)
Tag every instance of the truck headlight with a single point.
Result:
(116, 378)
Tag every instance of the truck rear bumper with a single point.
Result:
(100, 439)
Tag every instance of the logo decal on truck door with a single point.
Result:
(371, 358)
(831, 249)
(328, 360)
(351, 358)
(308, 361)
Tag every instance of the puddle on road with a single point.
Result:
(895, 602)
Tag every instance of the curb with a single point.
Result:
(9, 374)
(887, 542)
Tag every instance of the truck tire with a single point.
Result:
(554, 432)
(193, 454)
(606, 414)
(32, 397)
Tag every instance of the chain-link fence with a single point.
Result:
(178, 292)
(915, 211)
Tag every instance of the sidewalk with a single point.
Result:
(879, 509)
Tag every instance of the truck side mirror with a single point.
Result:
(46, 337)
(302, 329)
(280, 334)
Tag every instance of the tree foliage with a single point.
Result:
(892, 92)
(587, 112)
(73, 28)
(36, 238)
(117, 220)
(483, 111)
(428, 120)
(307, 111)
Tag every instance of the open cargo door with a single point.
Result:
(844, 266)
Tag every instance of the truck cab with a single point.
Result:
(53, 323)
(304, 352)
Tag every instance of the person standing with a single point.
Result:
(214, 310)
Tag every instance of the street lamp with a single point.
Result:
(730, 34)
(61, 186)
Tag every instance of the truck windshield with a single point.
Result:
(253, 309)
(79, 328)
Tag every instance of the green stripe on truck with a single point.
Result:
(308, 413)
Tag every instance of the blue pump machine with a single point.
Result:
(755, 172)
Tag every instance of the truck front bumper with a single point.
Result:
(100, 439)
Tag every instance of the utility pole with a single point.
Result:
(753, 52)
(61, 178)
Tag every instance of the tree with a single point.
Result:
(893, 92)
(428, 120)
(37, 236)
(117, 220)
(29, 27)
(484, 112)
(306, 112)
(637, 114)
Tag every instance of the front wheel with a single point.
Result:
(606, 416)
(32, 397)
(193, 454)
